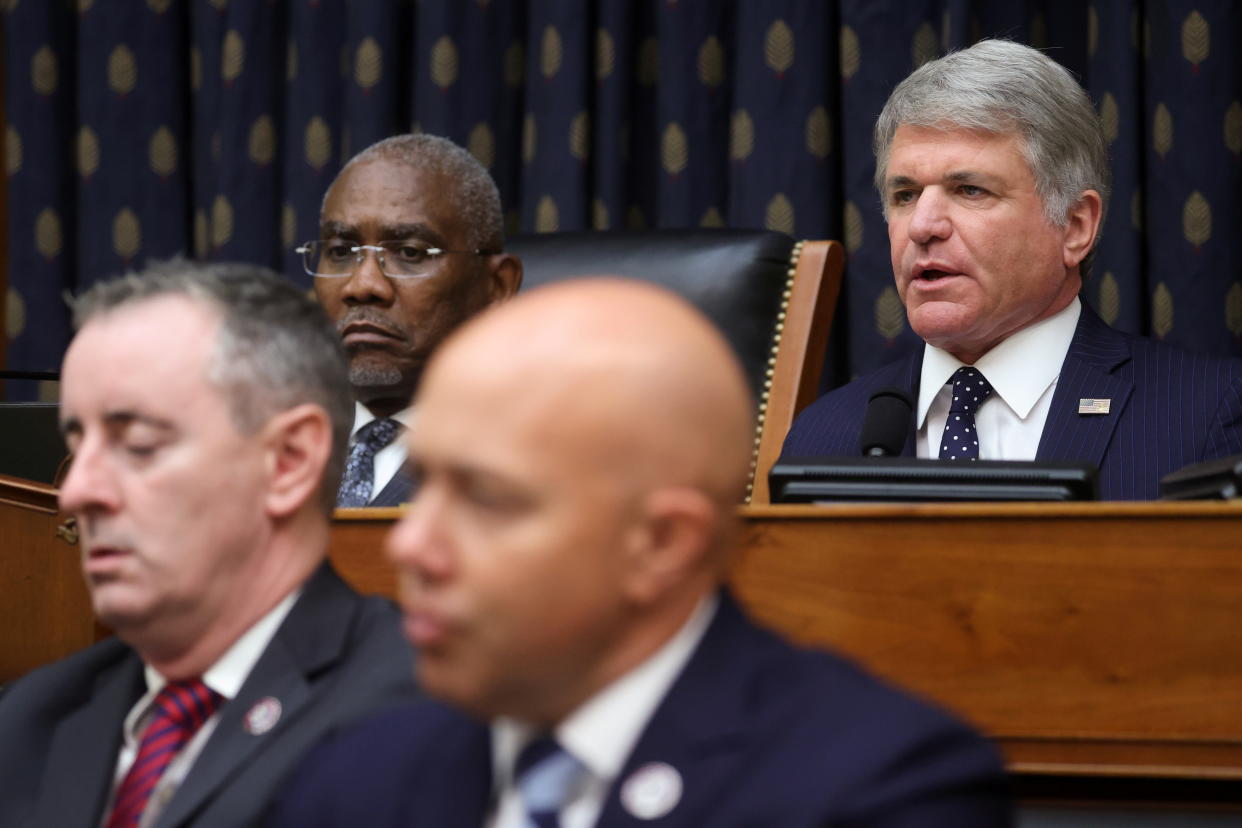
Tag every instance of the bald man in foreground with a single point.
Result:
(581, 450)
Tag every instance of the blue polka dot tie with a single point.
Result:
(359, 477)
(960, 440)
(545, 774)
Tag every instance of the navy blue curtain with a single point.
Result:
(147, 128)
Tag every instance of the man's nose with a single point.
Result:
(366, 283)
(929, 218)
(90, 483)
(420, 543)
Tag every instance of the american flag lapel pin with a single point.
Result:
(1093, 406)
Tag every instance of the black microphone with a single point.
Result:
(887, 424)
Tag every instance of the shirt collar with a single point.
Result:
(363, 415)
(602, 732)
(1020, 368)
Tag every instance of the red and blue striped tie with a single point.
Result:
(180, 710)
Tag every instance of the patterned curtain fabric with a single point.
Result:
(147, 128)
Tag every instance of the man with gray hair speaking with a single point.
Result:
(993, 171)
(410, 245)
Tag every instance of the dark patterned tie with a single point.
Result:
(960, 440)
(180, 710)
(545, 773)
(358, 480)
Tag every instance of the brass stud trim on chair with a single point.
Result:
(777, 329)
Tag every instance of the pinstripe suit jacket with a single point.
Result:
(1168, 408)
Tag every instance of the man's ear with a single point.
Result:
(1081, 227)
(297, 445)
(670, 543)
(506, 276)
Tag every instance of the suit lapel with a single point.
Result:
(84, 749)
(1089, 372)
(911, 384)
(697, 728)
(312, 637)
(398, 491)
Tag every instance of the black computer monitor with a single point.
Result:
(907, 479)
(30, 443)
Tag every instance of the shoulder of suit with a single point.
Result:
(72, 676)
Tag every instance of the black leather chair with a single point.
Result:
(772, 297)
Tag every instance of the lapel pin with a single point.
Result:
(263, 716)
(1089, 406)
(652, 791)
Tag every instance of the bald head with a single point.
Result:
(580, 450)
(637, 378)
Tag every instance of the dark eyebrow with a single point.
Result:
(898, 182)
(968, 177)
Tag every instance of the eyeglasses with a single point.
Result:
(397, 259)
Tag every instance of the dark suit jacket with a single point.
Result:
(336, 657)
(761, 733)
(1168, 408)
(397, 491)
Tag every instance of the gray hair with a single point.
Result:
(476, 198)
(275, 350)
(1001, 87)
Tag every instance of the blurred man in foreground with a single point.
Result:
(207, 410)
(581, 451)
(410, 245)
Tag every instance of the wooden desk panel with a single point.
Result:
(1093, 640)
(44, 609)
(1088, 639)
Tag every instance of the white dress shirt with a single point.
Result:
(389, 459)
(1023, 371)
(225, 677)
(601, 733)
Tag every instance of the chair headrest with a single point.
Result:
(736, 277)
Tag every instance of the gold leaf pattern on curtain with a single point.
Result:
(605, 54)
(779, 215)
(1110, 299)
(14, 313)
(741, 136)
(851, 53)
(674, 150)
(711, 63)
(547, 218)
(126, 234)
(551, 52)
(444, 62)
(48, 235)
(890, 314)
(818, 133)
(853, 227)
(482, 144)
(1197, 219)
(1196, 39)
(778, 47)
(87, 150)
(43, 71)
(1162, 311)
(368, 64)
(162, 152)
(122, 70)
